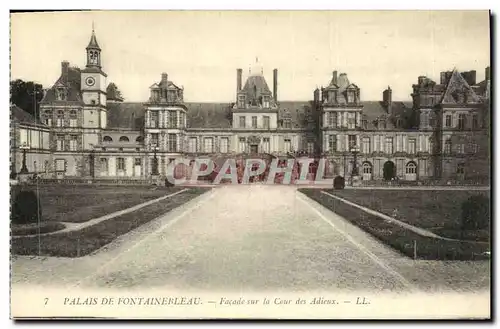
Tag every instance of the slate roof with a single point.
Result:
(21, 116)
(129, 115)
(93, 42)
(72, 84)
(374, 110)
(208, 115)
(126, 115)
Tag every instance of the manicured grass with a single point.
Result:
(435, 210)
(34, 228)
(71, 203)
(400, 238)
(84, 241)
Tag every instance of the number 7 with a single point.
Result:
(46, 301)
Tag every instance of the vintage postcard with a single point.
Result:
(250, 165)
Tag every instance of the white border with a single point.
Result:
(185, 5)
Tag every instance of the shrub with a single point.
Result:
(339, 183)
(26, 208)
(476, 213)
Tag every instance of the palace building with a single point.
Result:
(86, 129)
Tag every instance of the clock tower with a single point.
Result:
(93, 84)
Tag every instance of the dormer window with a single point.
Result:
(61, 94)
(155, 95)
(266, 102)
(350, 96)
(241, 101)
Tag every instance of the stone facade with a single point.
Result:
(442, 134)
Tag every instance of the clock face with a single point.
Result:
(90, 81)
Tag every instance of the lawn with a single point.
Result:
(438, 211)
(85, 241)
(401, 239)
(76, 204)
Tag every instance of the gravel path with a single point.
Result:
(247, 238)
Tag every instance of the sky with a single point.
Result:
(201, 50)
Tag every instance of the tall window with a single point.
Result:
(241, 101)
(366, 145)
(460, 148)
(208, 143)
(448, 120)
(332, 119)
(242, 122)
(447, 146)
(310, 147)
(462, 121)
(73, 143)
(461, 168)
(352, 141)
(154, 119)
(172, 119)
(121, 164)
(192, 145)
(224, 145)
(73, 119)
(411, 168)
(266, 122)
(350, 96)
(242, 144)
(332, 143)
(60, 143)
(351, 120)
(60, 119)
(389, 149)
(265, 145)
(424, 118)
(61, 94)
(475, 121)
(48, 121)
(154, 139)
(412, 146)
(172, 142)
(104, 166)
(288, 145)
(254, 122)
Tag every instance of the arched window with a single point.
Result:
(367, 168)
(107, 139)
(124, 139)
(139, 139)
(411, 168)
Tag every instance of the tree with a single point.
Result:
(22, 93)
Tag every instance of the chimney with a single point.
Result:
(387, 99)
(65, 71)
(275, 85)
(164, 78)
(443, 78)
(469, 77)
(487, 73)
(334, 78)
(239, 73)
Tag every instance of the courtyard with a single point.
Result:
(245, 238)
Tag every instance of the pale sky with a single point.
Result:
(201, 50)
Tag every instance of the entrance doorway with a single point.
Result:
(389, 170)
(411, 171)
(137, 167)
(254, 149)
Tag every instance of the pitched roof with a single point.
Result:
(70, 81)
(300, 113)
(21, 116)
(457, 84)
(126, 115)
(208, 115)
